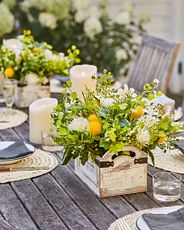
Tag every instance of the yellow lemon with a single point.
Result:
(9, 72)
(138, 113)
(161, 140)
(94, 127)
(93, 117)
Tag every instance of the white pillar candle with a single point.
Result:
(81, 78)
(39, 118)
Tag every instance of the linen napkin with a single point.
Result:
(16, 150)
(171, 221)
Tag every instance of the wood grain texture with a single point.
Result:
(155, 60)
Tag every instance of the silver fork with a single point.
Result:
(122, 225)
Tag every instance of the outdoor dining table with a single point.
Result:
(60, 200)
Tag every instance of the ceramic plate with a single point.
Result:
(12, 160)
(141, 224)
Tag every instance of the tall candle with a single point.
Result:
(81, 77)
(40, 118)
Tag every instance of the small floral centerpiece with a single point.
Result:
(32, 62)
(108, 120)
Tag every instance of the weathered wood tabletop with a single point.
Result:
(59, 200)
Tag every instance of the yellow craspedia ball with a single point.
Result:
(138, 113)
(93, 117)
(95, 127)
(9, 72)
(161, 140)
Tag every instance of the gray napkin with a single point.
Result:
(180, 145)
(16, 150)
(170, 221)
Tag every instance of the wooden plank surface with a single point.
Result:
(60, 200)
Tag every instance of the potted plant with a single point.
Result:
(110, 133)
(32, 63)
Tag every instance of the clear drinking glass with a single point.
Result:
(48, 143)
(9, 86)
(166, 187)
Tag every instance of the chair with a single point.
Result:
(155, 59)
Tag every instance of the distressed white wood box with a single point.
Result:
(112, 177)
(25, 95)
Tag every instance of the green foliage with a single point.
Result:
(112, 110)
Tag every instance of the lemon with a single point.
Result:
(9, 72)
(95, 127)
(161, 140)
(93, 117)
(138, 113)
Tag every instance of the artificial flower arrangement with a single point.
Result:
(108, 120)
(32, 62)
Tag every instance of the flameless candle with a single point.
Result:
(39, 118)
(81, 78)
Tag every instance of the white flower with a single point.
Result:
(148, 120)
(79, 124)
(126, 91)
(80, 4)
(49, 55)
(92, 27)
(106, 102)
(48, 20)
(143, 137)
(124, 18)
(9, 3)
(121, 54)
(32, 78)
(80, 16)
(6, 20)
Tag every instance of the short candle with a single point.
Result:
(81, 77)
(40, 118)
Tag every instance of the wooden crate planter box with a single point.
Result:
(25, 95)
(108, 177)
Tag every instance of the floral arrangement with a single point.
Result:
(102, 39)
(108, 120)
(32, 62)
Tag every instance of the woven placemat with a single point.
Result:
(131, 219)
(12, 119)
(171, 160)
(38, 159)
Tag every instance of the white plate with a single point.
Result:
(5, 144)
(141, 224)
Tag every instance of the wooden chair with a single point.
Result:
(155, 59)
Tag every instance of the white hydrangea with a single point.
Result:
(106, 102)
(143, 136)
(6, 20)
(123, 18)
(79, 5)
(48, 20)
(92, 27)
(148, 120)
(79, 124)
(9, 3)
(80, 16)
(121, 54)
(51, 56)
(32, 78)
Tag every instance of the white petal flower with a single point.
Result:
(79, 124)
(48, 20)
(124, 18)
(32, 78)
(49, 55)
(148, 120)
(13, 44)
(80, 16)
(106, 102)
(126, 91)
(143, 137)
(92, 27)
(121, 54)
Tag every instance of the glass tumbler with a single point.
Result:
(166, 187)
(9, 86)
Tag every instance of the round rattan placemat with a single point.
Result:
(171, 160)
(37, 160)
(132, 218)
(14, 118)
